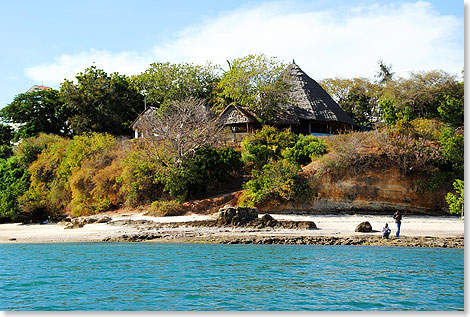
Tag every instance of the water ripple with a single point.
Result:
(120, 276)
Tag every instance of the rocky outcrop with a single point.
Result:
(236, 216)
(364, 227)
(428, 242)
(79, 222)
(373, 191)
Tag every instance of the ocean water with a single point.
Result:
(175, 277)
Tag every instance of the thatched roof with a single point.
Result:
(142, 121)
(310, 101)
(236, 115)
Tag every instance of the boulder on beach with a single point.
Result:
(236, 216)
(364, 227)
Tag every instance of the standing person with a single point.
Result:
(397, 217)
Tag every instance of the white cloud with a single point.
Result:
(410, 36)
(68, 66)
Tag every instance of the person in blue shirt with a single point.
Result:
(386, 231)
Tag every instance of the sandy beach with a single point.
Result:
(327, 226)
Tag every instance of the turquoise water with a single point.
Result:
(153, 276)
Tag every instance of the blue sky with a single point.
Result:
(47, 41)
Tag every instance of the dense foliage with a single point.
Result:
(101, 103)
(165, 82)
(6, 137)
(456, 201)
(278, 180)
(40, 111)
(431, 95)
(276, 157)
(256, 82)
(61, 151)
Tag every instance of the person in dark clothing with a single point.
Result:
(397, 217)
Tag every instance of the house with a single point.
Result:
(37, 88)
(143, 122)
(239, 120)
(146, 123)
(311, 110)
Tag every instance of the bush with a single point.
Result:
(277, 180)
(97, 185)
(452, 150)
(267, 143)
(82, 147)
(141, 174)
(14, 181)
(456, 202)
(203, 172)
(162, 208)
(47, 194)
(306, 148)
(29, 149)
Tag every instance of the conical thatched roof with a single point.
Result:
(311, 102)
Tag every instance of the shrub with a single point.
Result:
(277, 180)
(456, 202)
(47, 193)
(82, 147)
(29, 149)
(141, 174)
(452, 150)
(162, 208)
(96, 186)
(427, 128)
(14, 181)
(267, 143)
(306, 148)
(204, 171)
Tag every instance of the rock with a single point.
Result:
(268, 221)
(90, 220)
(103, 219)
(364, 227)
(236, 216)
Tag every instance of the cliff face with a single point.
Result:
(373, 191)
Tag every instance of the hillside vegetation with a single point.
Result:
(70, 152)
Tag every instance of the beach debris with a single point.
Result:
(364, 227)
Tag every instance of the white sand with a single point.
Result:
(328, 225)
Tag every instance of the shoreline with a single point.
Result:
(417, 231)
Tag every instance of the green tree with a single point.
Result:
(257, 82)
(14, 181)
(6, 136)
(385, 73)
(276, 180)
(359, 97)
(266, 144)
(451, 105)
(456, 201)
(101, 102)
(358, 105)
(205, 171)
(306, 148)
(418, 96)
(452, 151)
(163, 83)
(39, 111)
